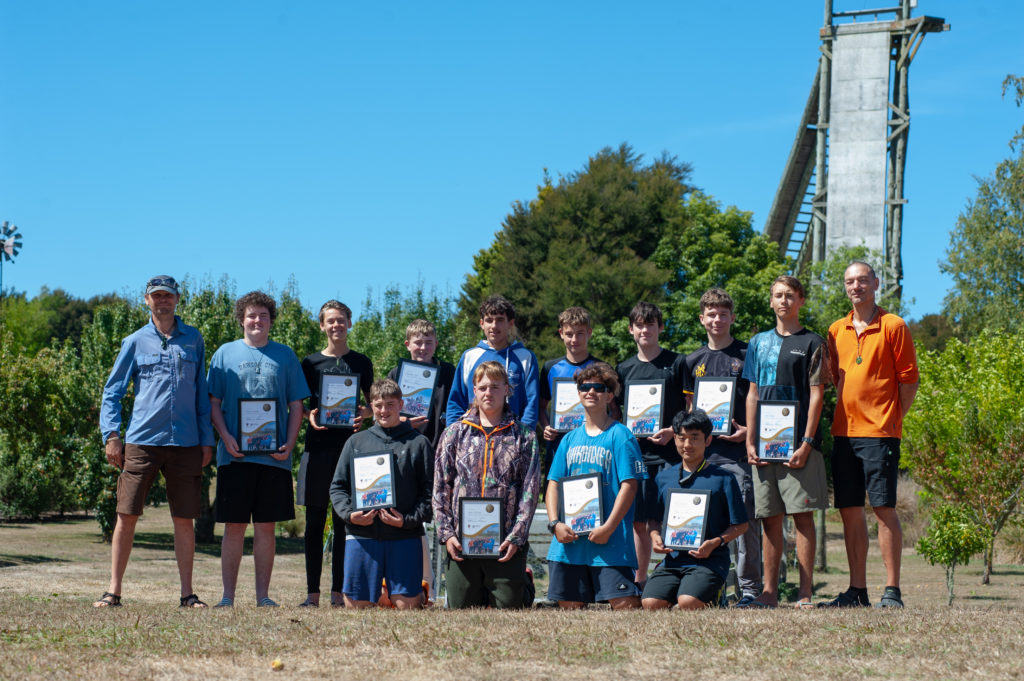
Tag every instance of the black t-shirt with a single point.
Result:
(333, 439)
(438, 400)
(671, 367)
(725, 363)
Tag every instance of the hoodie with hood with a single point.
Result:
(412, 473)
(523, 376)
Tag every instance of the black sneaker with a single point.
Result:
(851, 598)
(891, 598)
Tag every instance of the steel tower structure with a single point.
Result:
(843, 180)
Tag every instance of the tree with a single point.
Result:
(985, 257)
(585, 240)
(49, 316)
(706, 248)
(931, 332)
(963, 438)
(951, 540)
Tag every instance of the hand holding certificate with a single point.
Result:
(567, 411)
(481, 527)
(257, 423)
(776, 430)
(716, 397)
(579, 500)
(645, 402)
(339, 397)
(417, 381)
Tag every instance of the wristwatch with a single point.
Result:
(809, 440)
(552, 525)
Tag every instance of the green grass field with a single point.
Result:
(51, 572)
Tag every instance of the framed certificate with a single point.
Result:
(716, 396)
(645, 402)
(579, 502)
(566, 409)
(373, 485)
(685, 520)
(776, 430)
(339, 399)
(417, 381)
(481, 526)
(257, 426)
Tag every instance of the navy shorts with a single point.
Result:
(253, 491)
(868, 465)
(589, 583)
(647, 502)
(669, 583)
(368, 562)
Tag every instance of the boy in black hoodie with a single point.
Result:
(384, 542)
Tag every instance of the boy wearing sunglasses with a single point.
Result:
(600, 566)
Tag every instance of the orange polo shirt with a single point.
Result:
(869, 399)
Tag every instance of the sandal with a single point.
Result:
(225, 603)
(108, 600)
(804, 604)
(266, 602)
(191, 601)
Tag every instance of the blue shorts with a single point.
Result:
(368, 562)
(589, 583)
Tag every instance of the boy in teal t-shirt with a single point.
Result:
(601, 566)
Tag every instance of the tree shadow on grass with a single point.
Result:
(10, 560)
(164, 541)
(977, 597)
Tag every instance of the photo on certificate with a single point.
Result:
(339, 400)
(776, 430)
(579, 502)
(373, 484)
(566, 408)
(257, 425)
(716, 396)
(417, 381)
(685, 520)
(481, 523)
(645, 402)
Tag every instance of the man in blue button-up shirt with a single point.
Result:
(169, 431)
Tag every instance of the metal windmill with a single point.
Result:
(9, 247)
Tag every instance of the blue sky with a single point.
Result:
(357, 145)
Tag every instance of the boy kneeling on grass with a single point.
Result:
(692, 579)
(384, 544)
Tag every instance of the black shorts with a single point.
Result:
(589, 583)
(669, 583)
(865, 465)
(253, 492)
(647, 503)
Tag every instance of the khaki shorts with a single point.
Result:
(779, 490)
(182, 468)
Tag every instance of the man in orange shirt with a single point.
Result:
(874, 369)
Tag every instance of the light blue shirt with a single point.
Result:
(240, 371)
(615, 455)
(172, 403)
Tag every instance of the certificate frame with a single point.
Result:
(567, 412)
(481, 529)
(253, 437)
(717, 397)
(343, 412)
(776, 429)
(579, 506)
(418, 381)
(373, 481)
(685, 523)
(644, 406)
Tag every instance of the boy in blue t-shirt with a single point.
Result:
(575, 329)
(601, 566)
(692, 579)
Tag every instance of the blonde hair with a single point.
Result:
(420, 327)
(492, 370)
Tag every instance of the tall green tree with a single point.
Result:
(587, 240)
(985, 257)
(707, 247)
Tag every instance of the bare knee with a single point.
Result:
(655, 604)
(687, 602)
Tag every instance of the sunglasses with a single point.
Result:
(596, 387)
